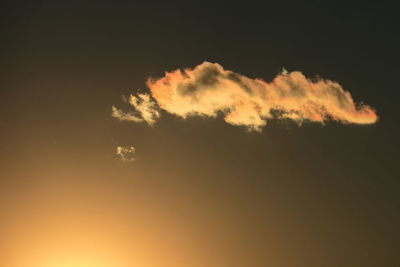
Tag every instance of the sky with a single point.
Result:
(144, 134)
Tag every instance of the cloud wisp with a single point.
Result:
(126, 153)
(145, 109)
(209, 90)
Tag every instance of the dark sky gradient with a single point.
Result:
(202, 192)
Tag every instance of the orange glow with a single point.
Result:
(73, 222)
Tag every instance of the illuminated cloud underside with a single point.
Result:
(209, 90)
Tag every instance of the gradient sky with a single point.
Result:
(201, 193)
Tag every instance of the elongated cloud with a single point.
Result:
(209, 90)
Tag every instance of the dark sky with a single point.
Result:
(202, 192)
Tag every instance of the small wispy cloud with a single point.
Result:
(145, 109)
(126, 153)
(209, 90)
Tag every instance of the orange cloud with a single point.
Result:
(209, 90)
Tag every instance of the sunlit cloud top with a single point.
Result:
(209, 90)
